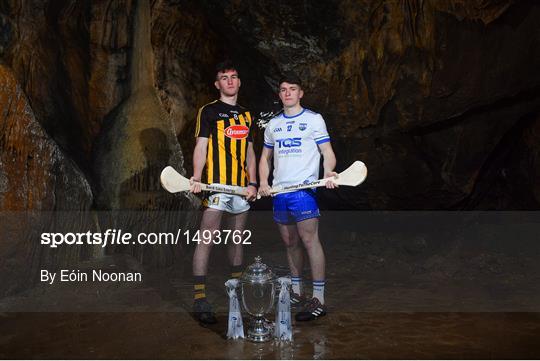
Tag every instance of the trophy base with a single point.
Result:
(259, 332)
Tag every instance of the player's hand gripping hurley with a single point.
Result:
(352, 176)
(174, 182)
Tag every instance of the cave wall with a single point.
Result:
(432, 95)
(438, 98)
(65, 72)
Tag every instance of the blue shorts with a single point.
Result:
(295, 206)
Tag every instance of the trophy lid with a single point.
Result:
(258, 272)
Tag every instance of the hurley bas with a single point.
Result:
(93, 276)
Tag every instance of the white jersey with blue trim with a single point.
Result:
(295, 141)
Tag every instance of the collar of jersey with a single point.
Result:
(294, 116)
(227, 104)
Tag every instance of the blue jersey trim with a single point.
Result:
(294, 116)
(268, 146)
(323, 141)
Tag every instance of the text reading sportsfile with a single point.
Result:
(120, 237)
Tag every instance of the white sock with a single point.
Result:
(296, 283)
(318, 290)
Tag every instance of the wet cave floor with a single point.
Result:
(338, 336)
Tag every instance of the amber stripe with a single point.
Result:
(221, 151)
(234, 160)
(243, 146)
(210, 161)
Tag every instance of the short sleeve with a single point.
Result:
(268, 137)
(204, 124)
(320, 134)
(250, 136)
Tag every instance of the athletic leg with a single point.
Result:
(295, 254)
(295, 259)
(236, 222)
(211, 220)
(308, 231)
(309, 234)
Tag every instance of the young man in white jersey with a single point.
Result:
(295, 140)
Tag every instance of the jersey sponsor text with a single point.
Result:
(237, 131)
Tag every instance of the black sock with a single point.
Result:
(236, 271)
(199, 288)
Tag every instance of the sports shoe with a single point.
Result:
(297, 300)
(312, 310)
(203, 312)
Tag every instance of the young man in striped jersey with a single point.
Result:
(224, 146)
(296, 139)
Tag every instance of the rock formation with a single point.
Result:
(431, 95)
(439, 98)
(35, 175)
(137, 140)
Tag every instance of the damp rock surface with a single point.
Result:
(438, 98)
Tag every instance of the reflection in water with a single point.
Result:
(338, 336)
(261, 350)
(319, 348)
(286, 350)
(234, 349)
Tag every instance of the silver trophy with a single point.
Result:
(258, 284)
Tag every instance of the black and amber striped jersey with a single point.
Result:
(228, 129)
